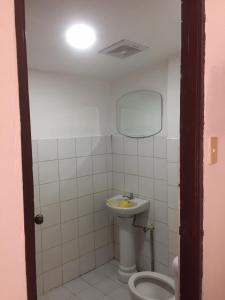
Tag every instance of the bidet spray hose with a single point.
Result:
(152, 229)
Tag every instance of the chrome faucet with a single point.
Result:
(129, 196)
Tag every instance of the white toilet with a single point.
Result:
(154, 286)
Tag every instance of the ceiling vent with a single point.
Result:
(123, 49)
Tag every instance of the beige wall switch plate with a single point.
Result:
(213, 150)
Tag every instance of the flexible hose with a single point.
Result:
(152, 228)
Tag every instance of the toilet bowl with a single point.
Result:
(151, 286)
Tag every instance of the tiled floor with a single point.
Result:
(99, 284)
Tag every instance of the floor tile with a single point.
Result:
(91, 294)
(110, 270)
(107, 286)
(100, 284)
(76, 286)
(120, 294)
(94, 277)
(114, 262)
(58, 294)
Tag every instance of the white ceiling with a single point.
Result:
(155, 23)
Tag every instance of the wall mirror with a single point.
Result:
(139, 113)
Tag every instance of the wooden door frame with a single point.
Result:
(26, 148)
(191, 148)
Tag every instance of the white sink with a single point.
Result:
(137, 206)
(125, 215)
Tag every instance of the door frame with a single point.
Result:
(191, 148)
(26, 150)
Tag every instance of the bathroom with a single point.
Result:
(81, 155)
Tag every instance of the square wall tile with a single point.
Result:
(35, 174)
(160, 190)
(161, 211)
(85, 186)
(173, 242)
(49, 193)
(47, 150)
(67, 168)
(173, 149)
(66, 148)
(39, 285)
(70, 251)
(118, 181)
(117, 144)
(69, 210)
(102, 255)
(161, 253)
(101, 237)
(146, 166)
(146, 187)
(52, 279)
(51, 215)
(38, 243)
(110, 230)
(84, 166)
(100, 182)
(161, 233)
(86, 244)
(36, 196)
(109, 162)
(87, 263)
(85, 205)
(83, 146)
(86, 224)
(99, 164)
(51, 237)
(68, 189)
(34, 151)
(118, 163)
(130, 146)
(173, 220)
(70, 271)
(69, 231)
(160, 268)
(108, 144)
(145, 147)
(101, 219)
(173, 197)
(173, 174)
(131, 164)
(131, 184)
(52, 258)
(99, 200)
(160, 168)
(48, 171)
(160, 146)
(98, 145)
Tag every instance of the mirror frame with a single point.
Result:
(117, 118)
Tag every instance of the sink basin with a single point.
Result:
(122, 206)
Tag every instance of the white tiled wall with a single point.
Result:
(173, 197)
(149, 168)
(72, 179)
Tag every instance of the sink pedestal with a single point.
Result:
(127, 265)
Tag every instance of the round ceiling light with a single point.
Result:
(80, 36)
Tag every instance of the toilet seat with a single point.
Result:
(151, 286)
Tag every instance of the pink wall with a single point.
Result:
(214, 176)
(12, 257)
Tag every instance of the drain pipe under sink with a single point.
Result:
(151, 229)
